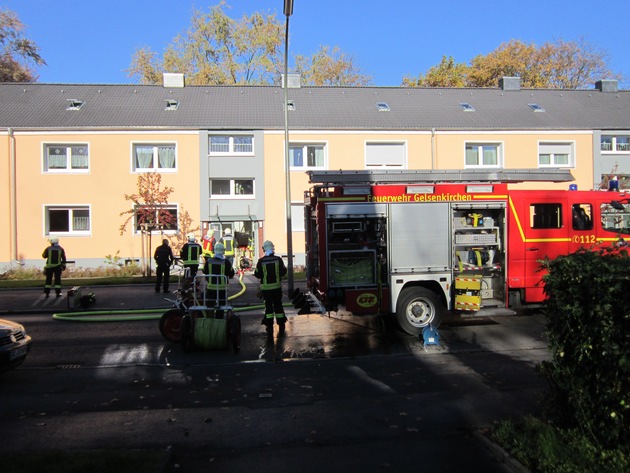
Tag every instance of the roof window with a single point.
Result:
(290, 105)
(383, 107)
(74, 104)
(466, 107)
(535, 107)
(171, 104)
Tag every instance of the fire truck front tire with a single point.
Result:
(418, 307)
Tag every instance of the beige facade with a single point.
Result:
(98, 191)
(92, 198)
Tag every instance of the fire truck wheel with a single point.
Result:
(417, 308)
(170, 325)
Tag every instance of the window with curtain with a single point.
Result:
(307, 156)
(231, 144)
(483, 155)
(385, 155)
(67, 220)
(66, 158)
(555, 155)
(154, 157)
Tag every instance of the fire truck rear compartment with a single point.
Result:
(378, 249)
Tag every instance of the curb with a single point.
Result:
(511, 464)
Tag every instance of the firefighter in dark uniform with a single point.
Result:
(214, 269)
(270, 269)
(189, 254)
(228, 241)
(55, 263)
(163, 260)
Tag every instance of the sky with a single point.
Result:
(93, 42)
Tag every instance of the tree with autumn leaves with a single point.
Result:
(219, 50)
(559, 65)
(19, 56)
(151, 213)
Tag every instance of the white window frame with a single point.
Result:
(305, 146)
(68, 168)
(233, 185)
(383, 164)
(479, 145)
(155, 167)
(157, 231)
(615, 146)
(547, 147)
(70, 208)
(232, 145)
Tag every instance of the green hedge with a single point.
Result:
(588, 328)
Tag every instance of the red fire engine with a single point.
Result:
(419, 243)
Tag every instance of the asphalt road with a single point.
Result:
(338, 393)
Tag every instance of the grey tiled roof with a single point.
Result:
(37, 106)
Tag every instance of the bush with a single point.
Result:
(588, 323)
(542, 447)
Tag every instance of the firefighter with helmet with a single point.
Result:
(207, 244)
(55, 257)
(270, 269)
(189, 254)
(218, 270)
(228, 241)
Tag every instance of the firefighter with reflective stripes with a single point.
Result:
(207, 243)
(228, 241)
(270, 269)
(55, 263)
(215, 269)
(189, 254)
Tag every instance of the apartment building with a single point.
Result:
(70, 153)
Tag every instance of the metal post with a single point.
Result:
(288, 11)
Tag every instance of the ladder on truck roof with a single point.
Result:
(434, 176)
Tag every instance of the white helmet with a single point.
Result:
(227, 231)
(268, 246)
(53, 240)
(191, 237)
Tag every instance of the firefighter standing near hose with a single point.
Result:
(164, 260)
(189, 254)
(228, 241)
(55, 263)
(270, 269)
(207, 244)
(218, 270)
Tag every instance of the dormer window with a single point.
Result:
(74, 104)
(171, 104)
(535, 107)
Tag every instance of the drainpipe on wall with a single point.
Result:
(432, 148)
(12, 196)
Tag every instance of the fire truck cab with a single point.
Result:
(419, 243)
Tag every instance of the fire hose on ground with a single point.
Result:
(141, 314)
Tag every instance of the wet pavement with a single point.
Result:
(421, 402)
